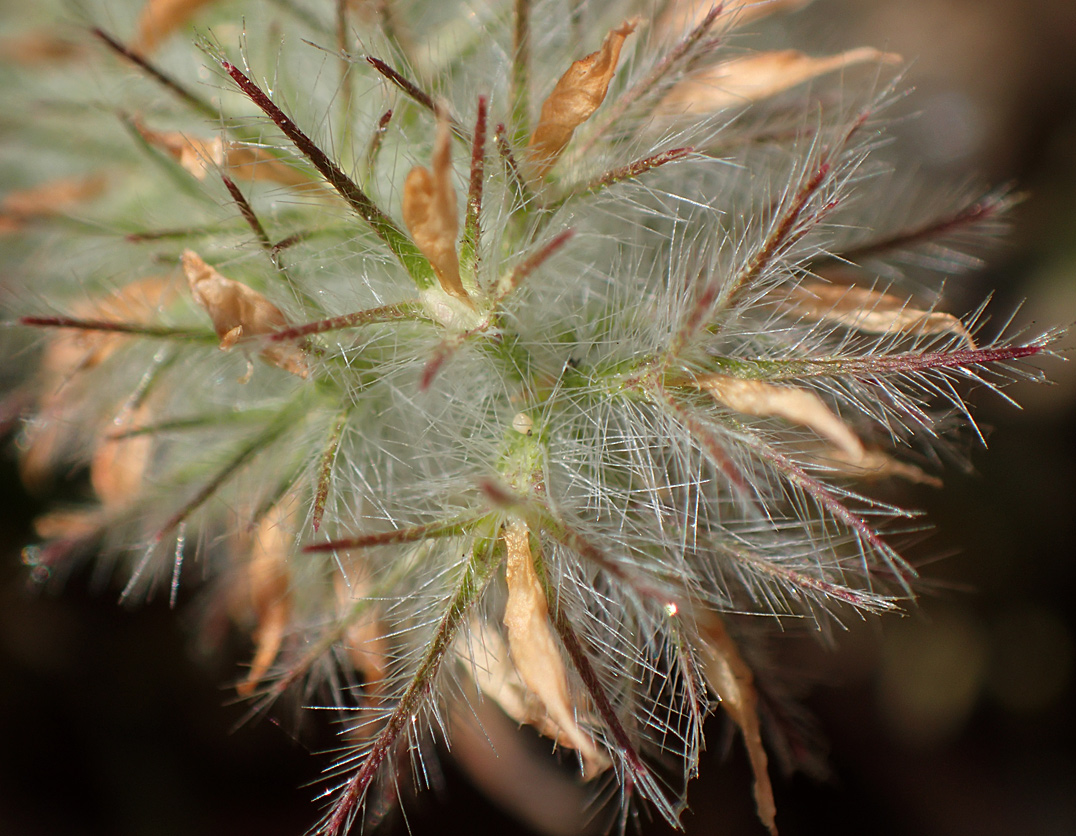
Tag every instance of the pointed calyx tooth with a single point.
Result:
(533, 650)
(197, 156)
(268, 578)
(731, 679)
(871, 311)
(578, 93)
(430, 212)
(239, 312)
(805, 408)
(160, 18)
(753, 78)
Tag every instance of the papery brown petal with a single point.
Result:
(874, 464)
(69, 352)
(51, 198)
(487, 657)
(118, 466)
(233, 305)
(730, 678)
(575, 97)
(430, 213)
(682, 15)
(756, 77)
(799, 406)
(533, 648)
(367, 647)
(268, 580)
(804, 407)
(160, 18)
(246, 162)
(41, 47)
(871, 311)
(196, 155)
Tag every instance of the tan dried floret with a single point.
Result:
(160, 18)
(48, 199)
(430, 212)
(681, 15)
(752, 78)
(240, 312)
(872, 311)
(267, 579)
(198, 156)
(576, 96)
(806, 408)
(533, 650)
(731, 679)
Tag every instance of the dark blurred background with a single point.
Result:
(958, 719)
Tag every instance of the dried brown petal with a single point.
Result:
(730, 678)
(239, 312)
(533, 649)
(804, 407)
(119, 465)
(41, 47)
(430, 213)
(69, 352)
(575, 97)
(134, 304)
(756, 77)
(872, 311)
(681, 15)
(160, 18)
(47, 199)
(367, 647)
(246, 162)
(799, 406)
(268, 579)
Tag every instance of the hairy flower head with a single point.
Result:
(555, 353)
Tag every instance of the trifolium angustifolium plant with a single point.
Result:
(488, 361)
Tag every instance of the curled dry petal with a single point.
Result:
(430, 213)
(246, 162)
(756, 77)
(534, 653)
(575, 97)
(160, 18)
(872, 311)
(806, 408)
(730, 678)
(239, 312)
(268, 578)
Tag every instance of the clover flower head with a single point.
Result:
(522, 359)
